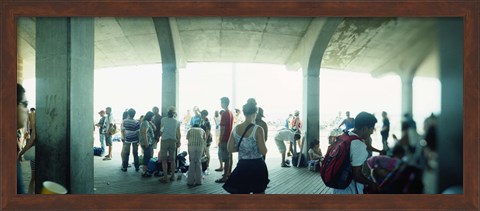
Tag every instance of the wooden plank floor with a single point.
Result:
(109, 179)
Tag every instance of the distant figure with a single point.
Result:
(407, 118)
(297, 126)
(186, 120)
(171, 137)
(226, 124)
(216, 119)
(197, 118)
(101, 130)
(288, 121)
(108, 124)
(385, 130)
(238, 118)
(348, 122)
(251, 174)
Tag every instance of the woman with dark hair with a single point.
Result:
(22, 116)
(170, 133)
(251, 174)
(146, 139)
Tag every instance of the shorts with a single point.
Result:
(108, 140)
(281, 146)
(225, 156)
(168, 146)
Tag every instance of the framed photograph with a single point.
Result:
(342, 21)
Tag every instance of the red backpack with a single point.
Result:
(336, 169)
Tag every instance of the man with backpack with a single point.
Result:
(342, 166)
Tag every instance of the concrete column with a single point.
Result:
(64, 90)
(311, 82)
(311, 108)
(407, 93)
(169, 64)
(450, 121)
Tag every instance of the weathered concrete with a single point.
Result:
(311, 81)
(450, 127)
(407, 94)
(64, 73)
(169, 63)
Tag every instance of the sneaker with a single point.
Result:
(219, 169)
(285, 165)
(124, 169)
(287, 162)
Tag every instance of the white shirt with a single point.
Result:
(358, 156)
(284, 134)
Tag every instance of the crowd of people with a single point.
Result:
(247, 135)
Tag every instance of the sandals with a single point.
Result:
(220, 180)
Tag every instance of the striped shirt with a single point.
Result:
(131, 128)
(196, 137)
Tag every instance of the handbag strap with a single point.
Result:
(246, 129)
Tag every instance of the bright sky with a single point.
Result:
(277, 90)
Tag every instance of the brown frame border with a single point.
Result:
(468, 10)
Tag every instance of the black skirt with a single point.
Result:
(250, 176)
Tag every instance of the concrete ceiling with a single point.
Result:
(371, 45)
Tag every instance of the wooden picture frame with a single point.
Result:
(12, 9)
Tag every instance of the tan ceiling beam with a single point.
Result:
(300, 56)
(411, 57)
(177, 43)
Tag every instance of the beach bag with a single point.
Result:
(113, 129)
(303, 161)
(152, 165)
(336, 169)
(97, 151)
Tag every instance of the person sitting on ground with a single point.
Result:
(314, 153)
(285, 134)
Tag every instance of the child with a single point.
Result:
(315, 154)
